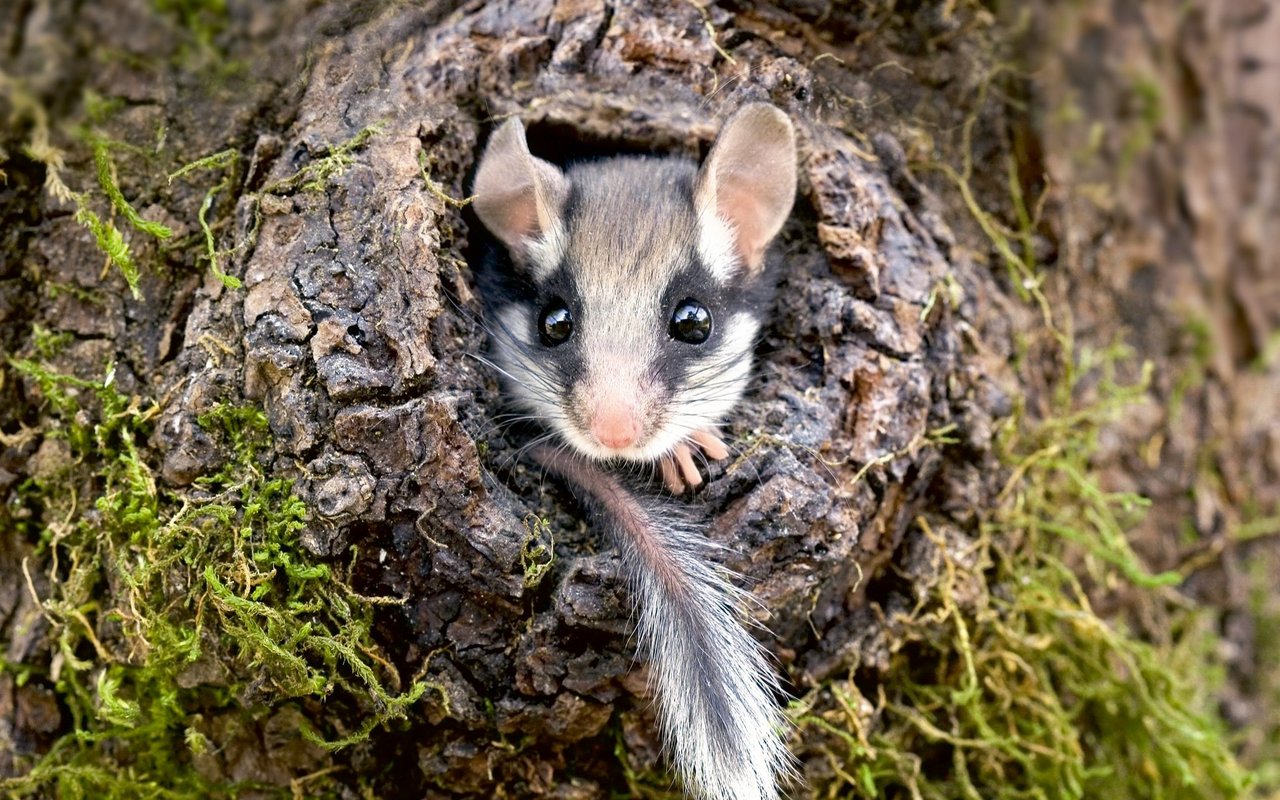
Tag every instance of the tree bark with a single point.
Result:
(897, 351)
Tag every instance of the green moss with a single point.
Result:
(313, 177)
(1005, 682)
(106, 179)
(1269, 355)
(200, 21)
(1261, 742)
(111, 242)
(537, 551)
(424, 168)
(340, 157)
(48, 343)
(1147, 110)
(145, 584)
(55, 288)
(645, 784)
(1192, 374)
(316, 176)
(108, 237)
(99, 109)
(1009, 684)
(226, 161)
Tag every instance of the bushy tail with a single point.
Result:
(715, 690)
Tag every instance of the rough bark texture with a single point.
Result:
(1177, 263)
(355, 325)
(363, 367)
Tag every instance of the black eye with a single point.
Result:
(555, 323)
(691, 322)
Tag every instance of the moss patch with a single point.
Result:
(318, 174)
(1005, 681)
(1009, 683)
(1261, 744)
(166, 612)
(227, 162)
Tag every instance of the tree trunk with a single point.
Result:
(439, 619)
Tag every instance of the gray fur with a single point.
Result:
(628, 225)
(632, 220)
(714, 688)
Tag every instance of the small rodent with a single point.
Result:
(623, 307)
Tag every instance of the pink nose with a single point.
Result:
(615, 426)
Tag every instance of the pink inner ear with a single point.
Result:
(746, 212)
(519, 214)
(512, 216)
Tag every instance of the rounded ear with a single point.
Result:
(518, 197)
(749, 179)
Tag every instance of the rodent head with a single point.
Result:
(626, 313)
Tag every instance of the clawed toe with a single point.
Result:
(711, 444)
(679, 470)
(671, 474)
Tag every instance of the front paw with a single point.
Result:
(678, 468)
